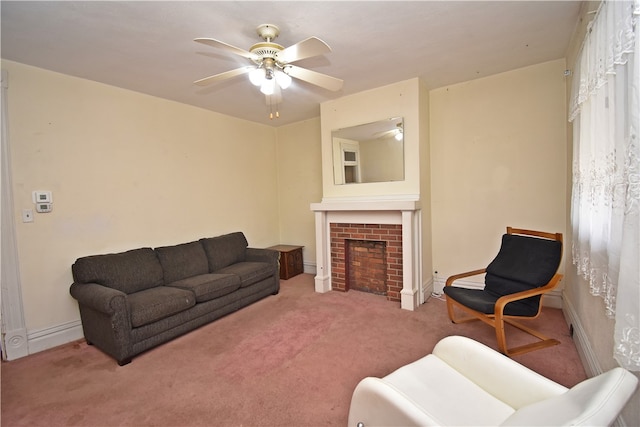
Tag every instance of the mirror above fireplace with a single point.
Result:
(371, 152)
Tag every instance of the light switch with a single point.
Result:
(27, 215)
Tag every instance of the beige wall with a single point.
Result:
(396, 100)
(498, 158)
(126, 170)
(424, 130)
(299, 185)
(425, 189)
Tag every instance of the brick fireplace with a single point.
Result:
(396, 223)
(367, 257)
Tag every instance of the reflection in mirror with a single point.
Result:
(373, 152)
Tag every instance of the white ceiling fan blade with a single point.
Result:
(384, 134)
(315, 78)
(223, 76)
(307, 48)
(225, 46)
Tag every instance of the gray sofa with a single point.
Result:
(135, 300)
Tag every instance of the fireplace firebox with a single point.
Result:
(367, 257)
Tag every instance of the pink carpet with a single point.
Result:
(288, 360)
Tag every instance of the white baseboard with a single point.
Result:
(309, 268)
(44, 339)
(585, 351)
(427, 290)
(553, 299)
(438, 285)
(16, 344)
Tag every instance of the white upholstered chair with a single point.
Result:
(465, 383)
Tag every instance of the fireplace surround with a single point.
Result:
(373, 213)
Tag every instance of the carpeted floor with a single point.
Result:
(289, 360)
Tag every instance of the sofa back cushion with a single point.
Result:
(182, 261)
(128, 272)
(225, 250)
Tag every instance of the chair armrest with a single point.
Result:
(504, 378)
(100, 298)
(378, 403)
(596, 401)
(455, 277)
(503, 301)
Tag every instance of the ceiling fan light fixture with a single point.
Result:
(399, 132)
(268, 86)
(257, 76)
(283, 80)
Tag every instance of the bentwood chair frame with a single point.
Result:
(497, 319)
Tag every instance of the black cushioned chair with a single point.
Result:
(524, 269)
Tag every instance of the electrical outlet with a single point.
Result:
(27, 215)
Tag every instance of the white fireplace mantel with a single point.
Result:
(373, 211)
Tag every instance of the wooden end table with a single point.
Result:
(290, 260)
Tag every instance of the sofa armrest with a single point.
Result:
(516, 385)
(100, 298)
(263, 255)
(106, 321)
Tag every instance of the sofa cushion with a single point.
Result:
(225, 250)
(129, 272)
(209, 286)
(157, 303)
(249, 272)
(182, 261)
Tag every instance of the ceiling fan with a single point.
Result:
(396, 132)
(272, 67)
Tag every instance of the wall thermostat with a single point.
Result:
(43, 207)
(43, 201)
(39, 196)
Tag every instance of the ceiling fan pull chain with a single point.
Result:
(273, 100)
(271, 113)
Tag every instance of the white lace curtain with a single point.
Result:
(605, 205)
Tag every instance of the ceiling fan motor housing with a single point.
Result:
(266, 49)
(268, 31)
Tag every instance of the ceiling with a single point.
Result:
(148, 47)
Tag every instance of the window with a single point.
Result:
(605, 206)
